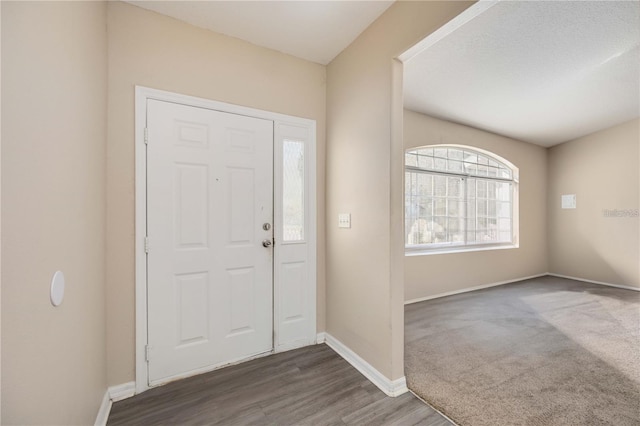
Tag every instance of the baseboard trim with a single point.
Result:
(390, 387)
(468, 289)
(321, 337)
(480, 287)
(626, 287)
(123, 391)
(105, 409)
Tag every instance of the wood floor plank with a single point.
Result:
(308, 386)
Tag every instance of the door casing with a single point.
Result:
(285, 126)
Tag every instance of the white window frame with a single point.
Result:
(449, 247)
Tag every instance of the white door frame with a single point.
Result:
(283, 124)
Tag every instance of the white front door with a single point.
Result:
(209, 210)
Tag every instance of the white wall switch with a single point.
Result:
(344, 220)
(569, 201)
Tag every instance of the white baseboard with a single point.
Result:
(105, 409)
(626, 287)
(480, 287)
(390, 387)
(111, 395)
(321, 337)
(123, 391)
(468, 289)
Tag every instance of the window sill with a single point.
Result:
(447, 250)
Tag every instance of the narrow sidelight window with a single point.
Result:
(293, 191)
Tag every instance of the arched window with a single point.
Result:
(459, 198)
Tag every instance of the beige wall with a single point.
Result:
(602, 170)
(53, 210)
(54, 214)
(364, 263)
(429, 275)
(152, 50)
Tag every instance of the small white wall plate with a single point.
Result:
(569, 201)
(344, 220)
(57, 288)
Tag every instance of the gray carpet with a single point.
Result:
(546, 351)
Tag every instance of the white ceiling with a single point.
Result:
(542, 72)
(313, 30)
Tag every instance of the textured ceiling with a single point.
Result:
(313, 30)
(541, 72)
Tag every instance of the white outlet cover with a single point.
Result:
(344, 220)
(57, 288)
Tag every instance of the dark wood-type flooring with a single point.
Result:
(308, 386)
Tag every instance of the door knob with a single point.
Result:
(266, 243)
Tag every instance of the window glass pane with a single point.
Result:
(418, 208)
(455, 154)
(440, 164)
(505, 174)
(471, 224)
(471, 210)
(504, 225)
(410, 206)
(425, 162)
(455, 208)
(503, 191)
(471, 188)
(440, 152)
(410, 159)
(440, 185)
(426, 185)
(482, 208)
(293, 191)
(426, 152)
(470, 157)
(491, 189)
(492, 230)
(454, 187)
(455, 230)
(440, 230)
(440, 206)
(503, 209)
(471, 168)
(492, 209)
(454, 166)
(481, 188)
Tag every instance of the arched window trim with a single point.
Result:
(480, 229)
(502, 164)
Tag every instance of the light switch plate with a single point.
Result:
(569, 201)
(344, 220)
